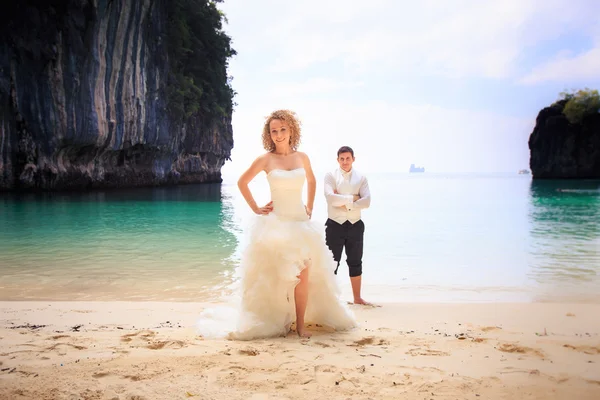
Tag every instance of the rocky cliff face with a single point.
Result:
(561, 150)
(83, 100)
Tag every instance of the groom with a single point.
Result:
(347, 192)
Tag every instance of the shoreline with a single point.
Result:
(378, 293)
(384, 296)
(122, 349)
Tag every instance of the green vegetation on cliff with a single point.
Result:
(580, 103)
(199, 51)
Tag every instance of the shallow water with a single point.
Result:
(429, 237)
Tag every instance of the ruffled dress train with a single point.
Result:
(280, 246)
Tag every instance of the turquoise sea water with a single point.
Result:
(429, 237)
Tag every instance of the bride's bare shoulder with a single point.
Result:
(263, 158)
(303, 156)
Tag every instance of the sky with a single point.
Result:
(451, 85)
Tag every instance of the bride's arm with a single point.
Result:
(257, 166)
(311, 183)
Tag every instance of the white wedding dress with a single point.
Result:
(280, 245)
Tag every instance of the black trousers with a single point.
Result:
(350, 236)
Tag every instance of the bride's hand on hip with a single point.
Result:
(264, 210)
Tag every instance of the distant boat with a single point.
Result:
(416, 169)
(523, 172)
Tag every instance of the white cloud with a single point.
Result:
(569, 66)
(459, 38)
(579, 68)
(311, 86)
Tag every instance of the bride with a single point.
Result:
(286, 271)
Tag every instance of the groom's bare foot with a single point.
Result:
(360, 300)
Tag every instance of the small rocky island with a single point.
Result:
(415, 169)
(565, 143)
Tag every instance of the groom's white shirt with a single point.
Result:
(341, 207)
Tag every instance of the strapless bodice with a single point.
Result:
(286, 193)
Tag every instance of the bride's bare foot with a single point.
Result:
(303, 333)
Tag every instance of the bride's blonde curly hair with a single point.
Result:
(293, 122)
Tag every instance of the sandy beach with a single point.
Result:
(148, 350)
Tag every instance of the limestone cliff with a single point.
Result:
(563, 150)
(84, 100)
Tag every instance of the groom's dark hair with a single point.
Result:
(345, 149)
